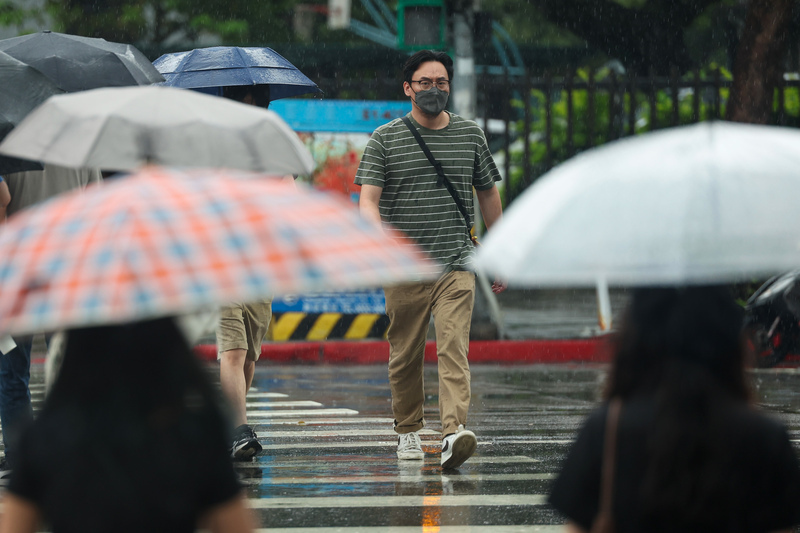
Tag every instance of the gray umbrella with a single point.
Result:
(22, 88)
(123, 128)
(76, 63)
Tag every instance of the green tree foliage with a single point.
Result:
(642, 34)
(593, 123)
(157, 21)
(16, 14)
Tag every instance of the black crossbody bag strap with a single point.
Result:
(440, 172)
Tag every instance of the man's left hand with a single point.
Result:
(499, 286)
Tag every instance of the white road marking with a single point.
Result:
(300, 412)
(403, 478)
(298, 403)
(365, 461)
(324, 421)
(253, 394)
(373, 444)
(312, 433)
(323, 502)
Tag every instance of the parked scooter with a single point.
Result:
(772, 319)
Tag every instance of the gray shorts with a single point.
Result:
(243, 326)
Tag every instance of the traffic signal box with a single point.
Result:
(421, 24)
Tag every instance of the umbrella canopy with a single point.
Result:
(220, 66)
(125, 127)
(713, 202)
(9, 165)
(22, 88)
(76, 63)
(165, 242)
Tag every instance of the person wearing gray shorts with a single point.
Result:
(241, 331)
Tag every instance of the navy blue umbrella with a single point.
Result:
(210, 69)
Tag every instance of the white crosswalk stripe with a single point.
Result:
(269, 405)
(396, 479)
(297, 472)
(300, 412)
(333, 502)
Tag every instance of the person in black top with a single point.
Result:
(693, 454)
(131, 438)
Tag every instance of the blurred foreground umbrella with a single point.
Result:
(76, 63)
(125, 128)
(709, 203)
(22, 88)
(164, 242)
(221, 66)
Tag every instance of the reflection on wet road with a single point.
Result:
(329, 462)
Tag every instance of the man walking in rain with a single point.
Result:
(401, 187)
(241, 331)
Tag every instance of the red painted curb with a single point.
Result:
(377, 352)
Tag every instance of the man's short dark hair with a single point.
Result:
(423, 56)
(260, 93)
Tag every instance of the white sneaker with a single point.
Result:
(458, 447)
(409, 447)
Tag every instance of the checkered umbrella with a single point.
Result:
(162, 242)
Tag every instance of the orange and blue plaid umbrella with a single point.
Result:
(162, 242)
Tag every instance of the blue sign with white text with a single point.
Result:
(346, 116)
(348, 303)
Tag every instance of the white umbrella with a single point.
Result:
(713, 202)
(123, 128)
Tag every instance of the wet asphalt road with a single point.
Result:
(334, 465)
(329, 459)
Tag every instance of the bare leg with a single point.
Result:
(234, 381)
(249, 371)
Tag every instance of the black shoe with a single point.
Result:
(245, 443)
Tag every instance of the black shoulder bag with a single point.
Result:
(442, 178)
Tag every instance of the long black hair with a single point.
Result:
(683, 345)
(139, 367)
(132, 426)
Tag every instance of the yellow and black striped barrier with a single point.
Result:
(297, 326)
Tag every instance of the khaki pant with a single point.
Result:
(450, 299)
(243, 326)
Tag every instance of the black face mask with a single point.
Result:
(431, 102)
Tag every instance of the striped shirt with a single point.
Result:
(411, 201)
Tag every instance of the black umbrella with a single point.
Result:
(9, 165)
(22, 88)
(76, 63)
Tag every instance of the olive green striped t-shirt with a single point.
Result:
(411, 201)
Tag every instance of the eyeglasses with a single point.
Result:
(426, 84)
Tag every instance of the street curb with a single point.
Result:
(594, 350)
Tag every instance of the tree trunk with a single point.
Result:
(759, 61)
